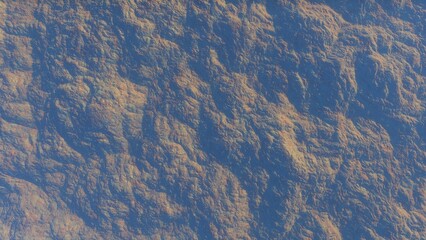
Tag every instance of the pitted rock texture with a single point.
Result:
(131, 119)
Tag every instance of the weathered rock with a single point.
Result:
(212, 120)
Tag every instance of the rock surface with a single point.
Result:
(212, 119)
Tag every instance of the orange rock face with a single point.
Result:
(212, 119)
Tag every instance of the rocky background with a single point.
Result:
(131, 119)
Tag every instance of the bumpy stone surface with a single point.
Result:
(131, 119)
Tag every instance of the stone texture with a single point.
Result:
(212, 119)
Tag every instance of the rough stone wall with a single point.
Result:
(212, 119)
